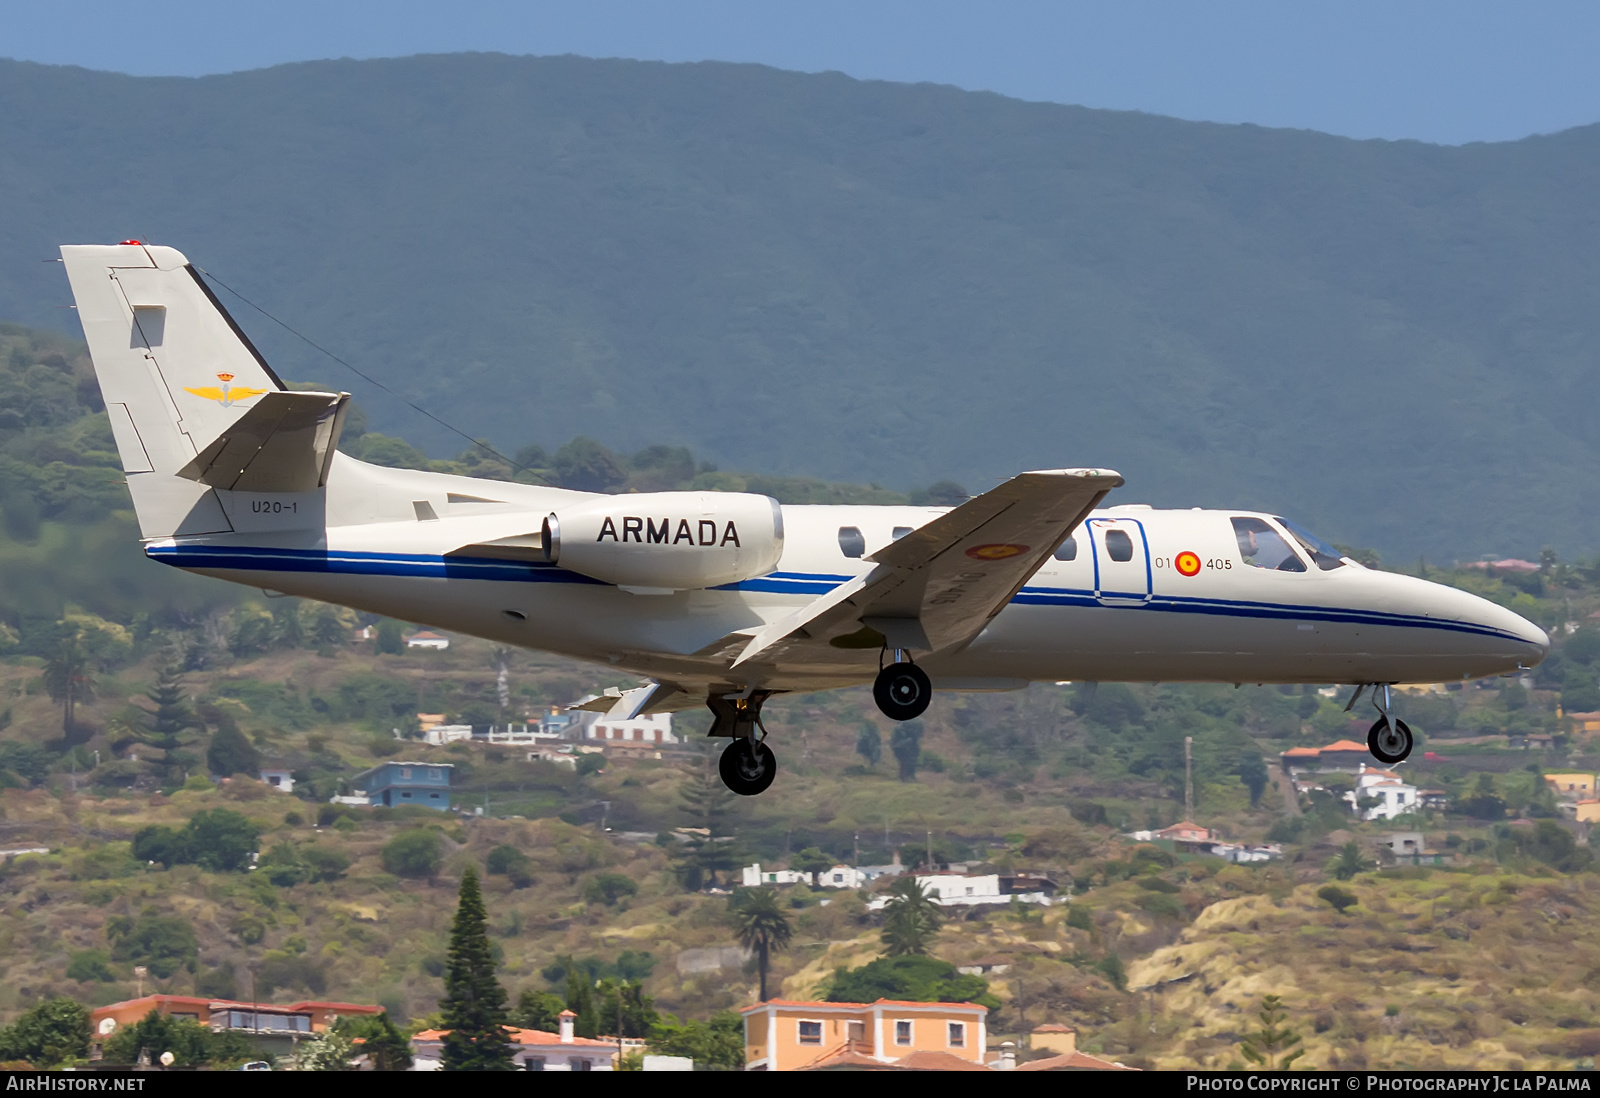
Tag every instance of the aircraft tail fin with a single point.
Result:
(192, 403)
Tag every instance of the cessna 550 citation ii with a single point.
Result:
(723, 599)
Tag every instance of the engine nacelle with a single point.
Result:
(675, 540)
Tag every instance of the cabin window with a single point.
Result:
(1263, 547)
(1323, 555)
(811, 1033)
(1067, 550)
(958, 1035)
(1119, 546)
(851, 543)
(902, 1033)
(900, 532)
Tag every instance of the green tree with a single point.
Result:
(580, 1000)
(705, 801)
(810, 860)
(221, 840)
(282, 866)
(159, 843)
(761, 925)
(190, 1043)
(416, 853)
(474, 1003)
(390, 639)
(330, 1050)
(165, 943)
(1272, 1047)
(715, 1043)
(171, 727)
(608, 888)
(905, 742)
(911, 918)
(1339, 898)
(231, 753)
(1252, 771)
(869, 744)
(537, 1010)
(1349, 861)
(69, 676)
(89, 964)
(624, 1008)
(382, 1043)
(53, 1034)
(915, 979)
(586, 465)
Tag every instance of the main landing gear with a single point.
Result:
(1389, 739)
(902, 689)
(747, 764)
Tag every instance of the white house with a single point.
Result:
(1394, 797)
(959, 890)
(1243, 853)
(440, 734)
(536, 1049)
(281, 780)
(841, 876)
(654, 729)
(752, 877)
(428, 639)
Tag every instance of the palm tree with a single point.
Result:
(911, 918)
(69, 676)
(762, 926)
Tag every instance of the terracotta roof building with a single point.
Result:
(781, 1035)
(535, 1049)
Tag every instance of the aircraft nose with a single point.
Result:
(1523, 643)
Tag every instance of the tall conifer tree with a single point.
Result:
(474, 1002)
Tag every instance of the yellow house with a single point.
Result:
(1588, 812)
(1061, 1040)
(1572, 784)
(785, 1036)
(1584, 722)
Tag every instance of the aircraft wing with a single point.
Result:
(937, 587)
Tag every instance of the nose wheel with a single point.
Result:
(902, 690)
(747, 766)
(1389, 739)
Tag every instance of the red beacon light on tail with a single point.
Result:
(138, 242)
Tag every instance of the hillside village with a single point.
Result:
(225, 799)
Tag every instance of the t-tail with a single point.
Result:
(193, 405)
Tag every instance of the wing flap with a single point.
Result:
(938, 586)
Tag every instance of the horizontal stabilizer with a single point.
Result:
(282, 444)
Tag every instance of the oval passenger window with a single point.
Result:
(851, 543)
(1119, 546)
(1068, 550)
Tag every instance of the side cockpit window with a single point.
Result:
(851, 543)
(1263, 547)
(1323, 555)
(1068, 550)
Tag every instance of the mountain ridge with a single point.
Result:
(797, 273)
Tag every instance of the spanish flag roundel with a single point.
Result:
(1187, 563)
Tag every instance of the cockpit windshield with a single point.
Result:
(1263, 547)
(1325, 556)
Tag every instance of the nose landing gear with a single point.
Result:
(747, 765)
(1389, 739)
(902, 689)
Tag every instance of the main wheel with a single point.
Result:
(747, 767)
(1389, 741)
(902, 691)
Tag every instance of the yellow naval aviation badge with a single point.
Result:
(226, 395)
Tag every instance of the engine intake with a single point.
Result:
(677, 540)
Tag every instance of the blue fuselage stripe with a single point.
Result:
(423, 566)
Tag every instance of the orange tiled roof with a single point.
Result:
(538, 1037)
(1073, 1061)
(928, 1060)
(1302, 753)
(1346, 745)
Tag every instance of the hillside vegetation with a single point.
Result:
(811, 275)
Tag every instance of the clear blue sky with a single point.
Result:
(1446, 72)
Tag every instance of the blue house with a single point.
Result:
(396, 783)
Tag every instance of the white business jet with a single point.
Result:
(723, 599)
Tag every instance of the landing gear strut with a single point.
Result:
(1389, 739)
(747, 764)
(902, 689)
